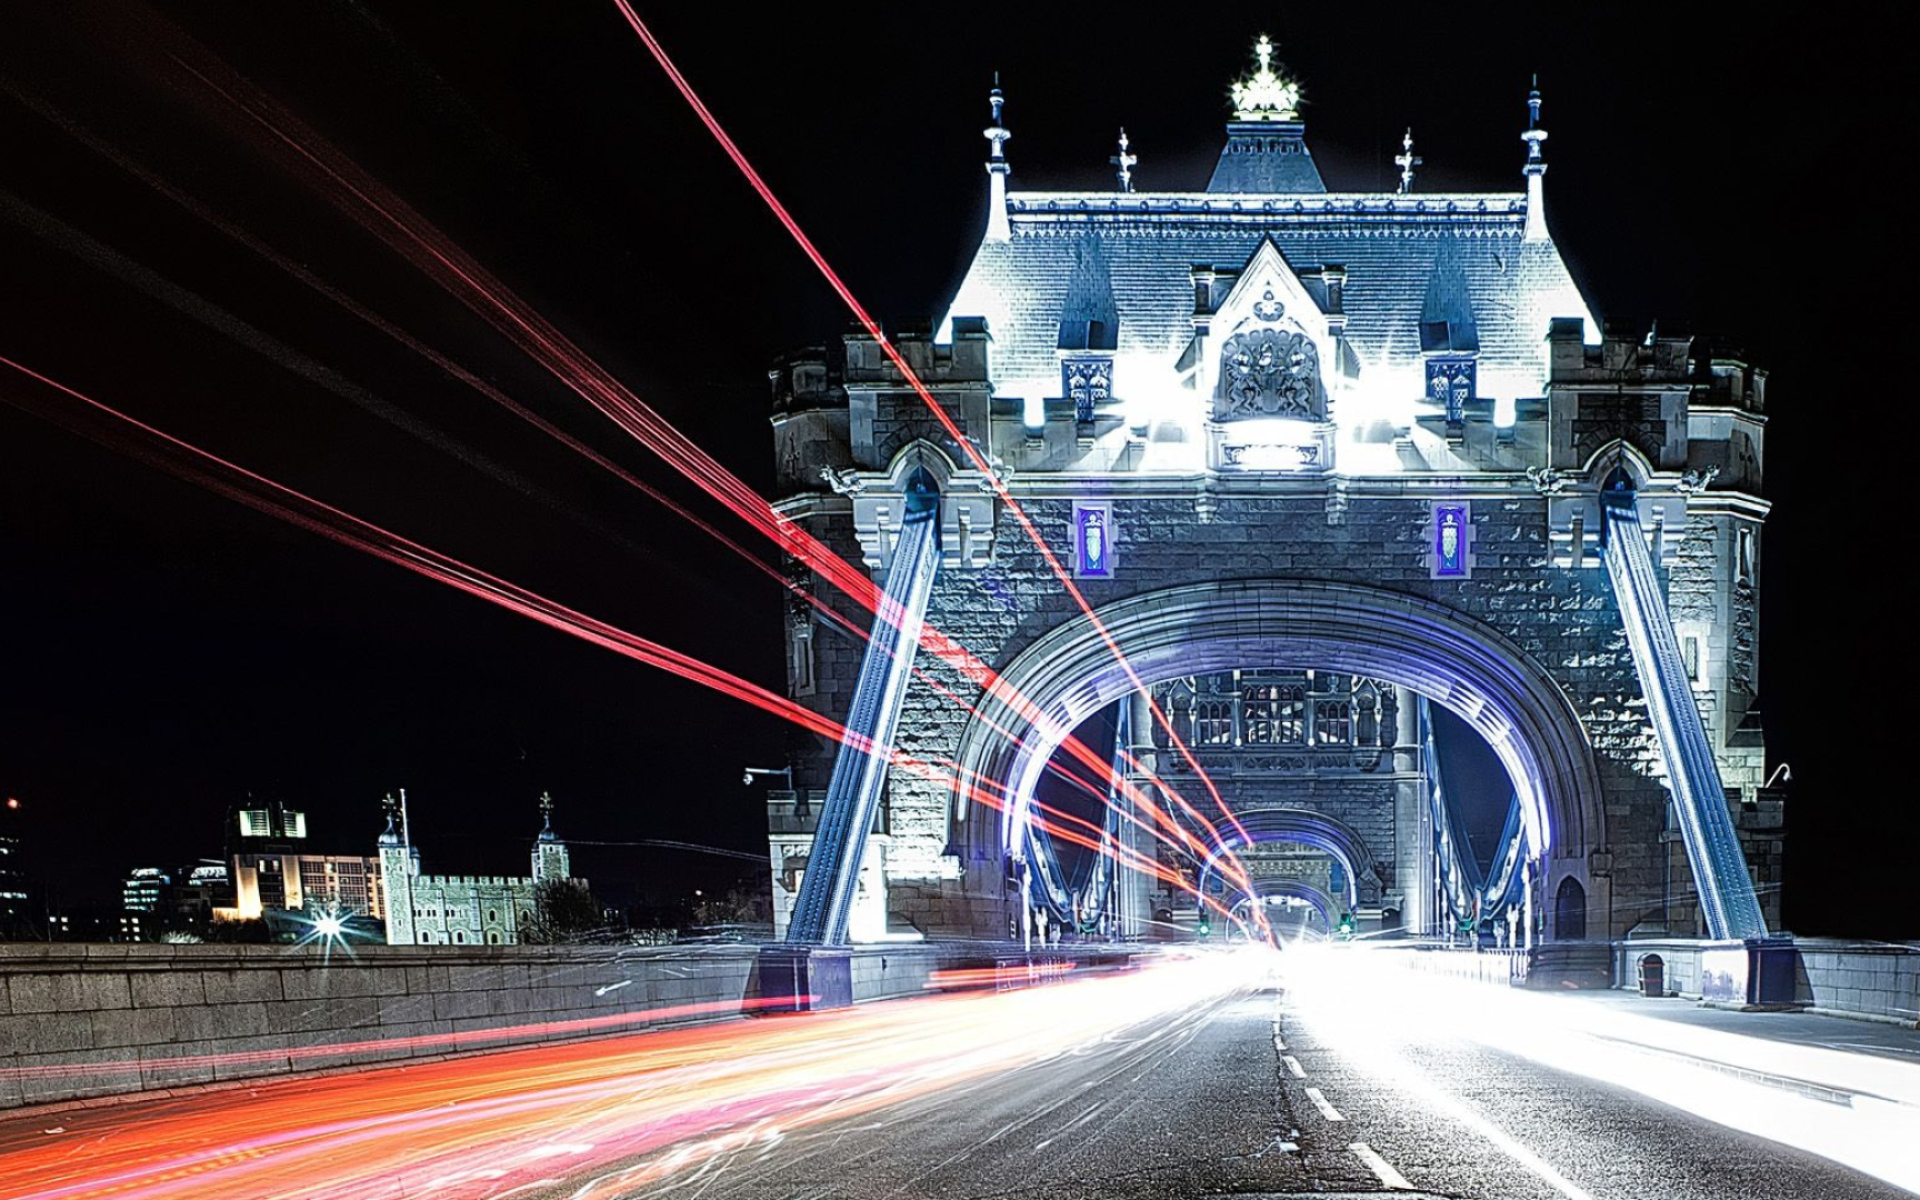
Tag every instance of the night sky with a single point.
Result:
(164, 652)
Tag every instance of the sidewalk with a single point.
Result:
(1609, 1033)
(1825, 1030)
(1831, 1058)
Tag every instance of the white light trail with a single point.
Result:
(1859, 1110)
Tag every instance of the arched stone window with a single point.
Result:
(1570, 911)
(1213, 723)
(1273, 714)
(1332, 723)
(1331, 695)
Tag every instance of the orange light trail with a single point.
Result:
(603, 1118)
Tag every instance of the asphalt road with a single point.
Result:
(1213, 1105)
(1204, 1077)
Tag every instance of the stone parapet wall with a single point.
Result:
(1870, 979)
(80, 1022)
(1873, 979)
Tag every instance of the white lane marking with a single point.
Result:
(1380, 1167)
(1320, 1102)
(1293, 1065)
(1279, 1043)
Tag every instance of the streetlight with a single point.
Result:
(746, 778)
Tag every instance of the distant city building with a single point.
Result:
(15, 915)
(292, 882)
(201, 888)
(147, 890)
(83, 923)
(270, 868)
(273, 823)
(453, 910)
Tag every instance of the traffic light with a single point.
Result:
(1345, 928)
(1205, 928)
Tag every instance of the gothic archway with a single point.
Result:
(1308, 828)
(1456, 661)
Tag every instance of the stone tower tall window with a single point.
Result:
(1332, 723)
(1213, 723)
(1332, 706)
(1273, 714)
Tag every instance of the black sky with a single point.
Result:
(163, 652)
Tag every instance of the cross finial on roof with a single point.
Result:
(1407, 160)
(393, 835)
(1266, 95)
(1125, 162)
(546, 810)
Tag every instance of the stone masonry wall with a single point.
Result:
(1861, 979)
(1566, 620)
(89, 1021)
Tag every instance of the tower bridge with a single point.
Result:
(1320, 460)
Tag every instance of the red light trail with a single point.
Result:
(604, 1118)
(946, 420)
(396, 224)
(411, 236)
(228, 479)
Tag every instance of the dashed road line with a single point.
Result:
(1382, 1169)
(1320, 1102)
(1293, 1065)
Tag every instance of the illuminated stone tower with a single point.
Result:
(398, 868)
(551, 861)
(1321, 462)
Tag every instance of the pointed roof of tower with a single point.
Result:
(1266, 151)
(1464, 264)
(392, 835)
(546, 819)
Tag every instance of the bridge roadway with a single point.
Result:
(1200, 1081)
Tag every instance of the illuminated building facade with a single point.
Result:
(464, 910)
(199, 889)
(1316, 460)
(274, 868)
(147, 890)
